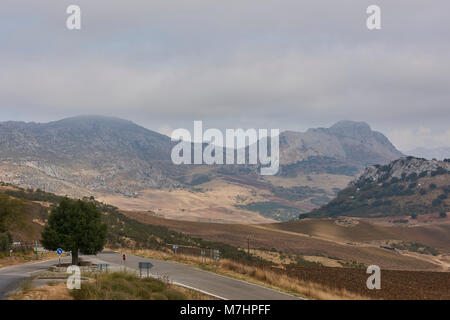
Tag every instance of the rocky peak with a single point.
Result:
(350, 128)
(404, 168)
(351, 141)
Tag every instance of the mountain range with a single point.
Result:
(88, 155)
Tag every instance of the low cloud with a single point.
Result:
(279, 64)
(409, 139)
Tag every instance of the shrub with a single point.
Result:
(443, 214)
(377, 203)
(126, 286)
(432, 186)
(414, 216)
(423, 174)
(423, 191)
(439, 171)
(5, 241)
(394, 180)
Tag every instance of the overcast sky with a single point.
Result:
(287, 64)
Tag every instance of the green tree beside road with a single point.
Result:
(75, 226)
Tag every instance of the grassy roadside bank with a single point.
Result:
(19, 258)
(107, 286)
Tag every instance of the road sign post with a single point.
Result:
(203, 253)
(216, 258)
(59, 251)
(145, 265)
(124, 258)
(37, 257)
(10, 255)
(175, 247)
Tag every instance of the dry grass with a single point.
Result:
(22, 258)
(52, 291)
(128, 286)
(255, 274)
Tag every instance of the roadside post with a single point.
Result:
(35, 244)
(216, 258)
(124, 258)
(59, 251)
(203, 253)
(175, 247)
(145, 265)
(10, 254)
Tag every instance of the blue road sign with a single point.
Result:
(59, 251)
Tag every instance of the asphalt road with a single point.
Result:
(220, 286)
(208, 282)
(10, 277)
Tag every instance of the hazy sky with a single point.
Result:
(287, 64)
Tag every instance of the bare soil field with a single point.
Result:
(435, 235)
(395, 284)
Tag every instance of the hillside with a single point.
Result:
(129, 166)
(405, 187)
(331, 252)
(307, 238)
